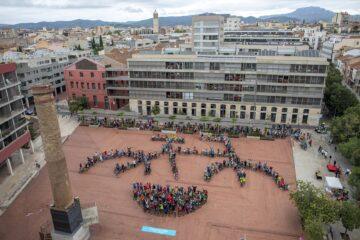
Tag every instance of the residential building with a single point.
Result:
(232, 24)
(86, 78)
(254, 89)
(44, 69)
(336, 45)
(207, 33)
(13, 126)
(262, 36)
(155, 22)
(349, 66)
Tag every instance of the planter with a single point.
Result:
(254, 137)
(267, 138)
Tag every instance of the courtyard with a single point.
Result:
(259, 210)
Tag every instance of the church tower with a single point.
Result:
(156, 22)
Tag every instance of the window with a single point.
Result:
(273, 117)
(242, 115)
(253, 108)
(203, 105)
(243, 108)
(70, 74)
(99, 86)
(93, 86)
(81, 74)
(166, 103)
(306, 111)
(294, 118)
(104, 86)
(157, 103)
(193, 112)
(193, 105)
(139, 102)
(175, 104)
(72, 84)
(283, 118)
(188, 96)
(203, 112)
(262, 116)
(263, 109)
(252, 115)
(166, 110)
(95, 100)
(284, 110)
(148, 103)
(232, 107)
(305, 119)
(77, 84)
(82, 85)
(213, 106)
(214, 66)
(295, 110)
(273, 109)
(92, 74)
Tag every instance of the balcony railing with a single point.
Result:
(16, 144)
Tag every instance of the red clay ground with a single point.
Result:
(259, 210)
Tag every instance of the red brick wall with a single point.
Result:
(98, 80)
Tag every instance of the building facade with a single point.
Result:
(207, 33)
(45, 70)
(13, 126)
(252, 89)
(86, 78)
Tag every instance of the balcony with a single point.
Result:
(8, 150)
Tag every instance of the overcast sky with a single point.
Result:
(16, 11)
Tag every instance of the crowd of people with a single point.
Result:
(275, 131)
(177, 201)
(137, 156)
(172, 160)
(165, 138)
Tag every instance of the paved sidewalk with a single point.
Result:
(307, 162)
(12, 186)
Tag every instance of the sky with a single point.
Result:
(17, 11)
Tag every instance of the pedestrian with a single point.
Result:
(334, 162)
(347, 172)
(310, 142)
(335, 148)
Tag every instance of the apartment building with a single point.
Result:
(13, 126)
(262, 36)
(254, 89)
(44, 69)
(86, 78)
(207, 33)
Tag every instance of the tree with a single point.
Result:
(350, 216)
(313, 204)
(172, 117)
(347, 126)
(314, 229)
(217, 120)
(339, 98)
(93, 44)
(155, 110)
(351, 150)
(354, 181)
(101, 44)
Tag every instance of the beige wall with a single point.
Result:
(313, 115)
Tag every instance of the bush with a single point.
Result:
(351, 150)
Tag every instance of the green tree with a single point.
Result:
(312, 203)
(339, 98)
(350, 216)
(351, 150)
(354, 181)
(101, 44)
(217, 120)
(172, 117)
(347, 126)
(314, 229)
(155, 110)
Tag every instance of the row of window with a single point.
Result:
(93, 86)
(81, 74)
(183, 109)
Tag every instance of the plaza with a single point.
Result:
(259, 210)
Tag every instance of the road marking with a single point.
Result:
(161, 231)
